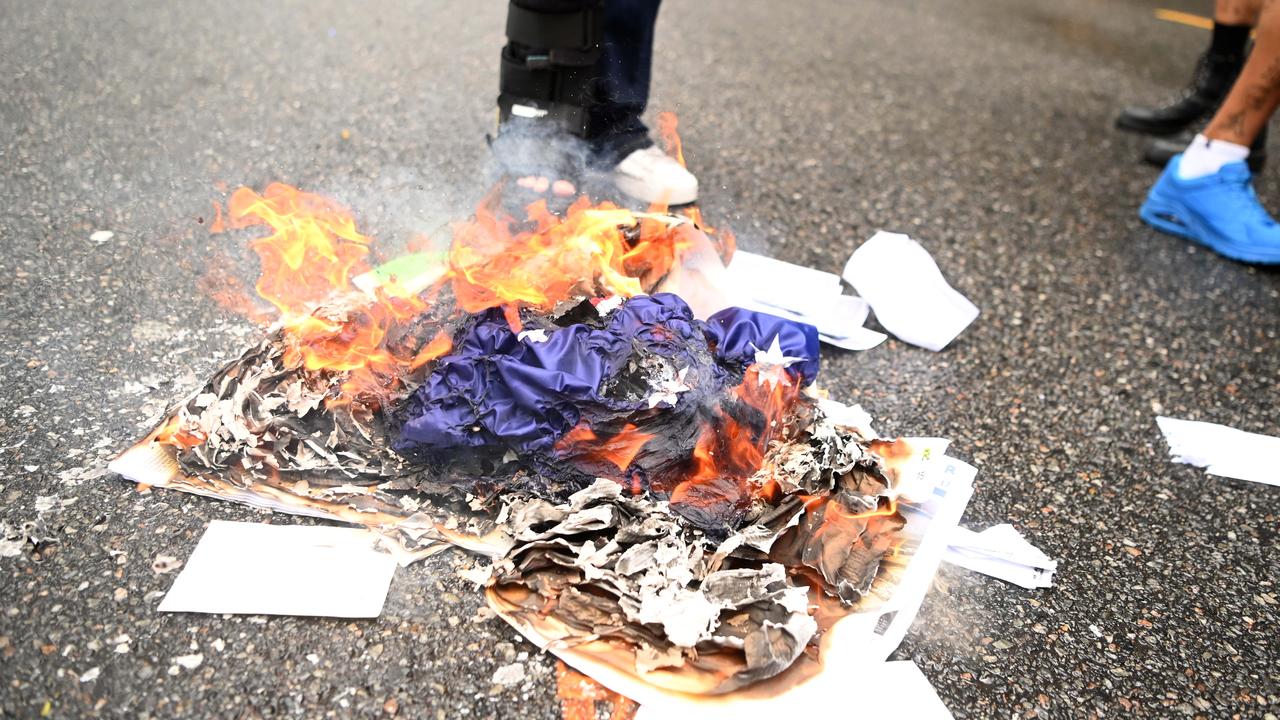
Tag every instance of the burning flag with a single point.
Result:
(662, 493)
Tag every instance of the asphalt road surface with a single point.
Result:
(981, 128)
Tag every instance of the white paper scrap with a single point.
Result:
(781, 284)
(839, 323)
(1222, 450)
(905, 288)
(1001, 552)
(257, 569)
(888, 689)
(804, 295)
(849, 415)
(859, 339)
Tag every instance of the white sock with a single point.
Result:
(1206, 157)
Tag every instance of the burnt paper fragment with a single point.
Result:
(605, 564)
(843, 544)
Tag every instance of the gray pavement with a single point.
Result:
(982, 128)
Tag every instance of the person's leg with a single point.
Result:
(619, 137)
(1236, 12)
(1247, 108)
(1215, 71)
(1256, 93)
(1160, 150)
(1205, 194)
(549, 74)
(615, 128)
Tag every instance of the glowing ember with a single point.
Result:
(172, 433)
(580, 694)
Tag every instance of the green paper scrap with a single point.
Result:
(414, 273)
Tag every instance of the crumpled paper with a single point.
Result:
(903, 285)
(805, 295)
(1222, 450)
(1001, 552)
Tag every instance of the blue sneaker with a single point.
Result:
(1219, 211)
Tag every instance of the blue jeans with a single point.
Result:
(615, 129)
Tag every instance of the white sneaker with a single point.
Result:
(651, 175)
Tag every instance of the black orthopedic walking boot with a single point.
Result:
(1161, 150)
(1215, 73)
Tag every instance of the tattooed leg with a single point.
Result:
(1237, 12)
(1256, 93)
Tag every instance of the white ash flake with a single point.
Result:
(667, 389)
(74, 476)
(165, 564)
(11, 546)
(509, 675)
(480, 575)
(101, 236)
(660, 576)
(90, 675)
(190, 662)
(609, 304)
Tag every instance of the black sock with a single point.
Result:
(1229, 39)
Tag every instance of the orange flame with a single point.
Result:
(722, 238)
(585, 253)
(667, 124)
(725, 242)
(312, 252)
(728, 452)
(173, 433)
(618, 450)
(439, 345)
(309, 258)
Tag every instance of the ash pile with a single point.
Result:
(660, 491)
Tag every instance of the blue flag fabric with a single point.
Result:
(736, 334)
(497, 390)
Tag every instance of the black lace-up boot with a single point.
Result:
(1215, 73)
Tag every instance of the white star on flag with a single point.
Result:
(771, 365)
